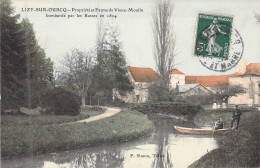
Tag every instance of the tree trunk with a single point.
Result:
(90, 99)
(83, 100)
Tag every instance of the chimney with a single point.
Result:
(241, 66)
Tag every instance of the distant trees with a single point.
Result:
(164, 52)
(25, 69)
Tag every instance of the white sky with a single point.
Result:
(59, 35)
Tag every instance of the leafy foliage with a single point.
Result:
(62, 101)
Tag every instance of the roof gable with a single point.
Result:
(143, 74)
(186, 87)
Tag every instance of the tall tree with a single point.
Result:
(25, 69)
(77, 72)
(39, 68)
(111, 66)
(13, 62)
(164, 52)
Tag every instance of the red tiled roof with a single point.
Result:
(143, 74)
(209, 81)
(253, 69)
(175, 71)
(222, 80)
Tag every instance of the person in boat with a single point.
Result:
(236, 116)
(219, 124)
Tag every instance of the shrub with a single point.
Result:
(62, 101)
(159, 93)
(196, 99)
(174, 108)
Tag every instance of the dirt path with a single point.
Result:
(108, 113)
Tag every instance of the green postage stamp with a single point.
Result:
(213, 36)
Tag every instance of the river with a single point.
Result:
(164, 148)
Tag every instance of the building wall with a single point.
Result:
(252, 85)
(138, 95)
(176, 79)
(141, 91)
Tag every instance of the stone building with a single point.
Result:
(248, 77)
(141, 78)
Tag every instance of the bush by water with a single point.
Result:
(172, 108)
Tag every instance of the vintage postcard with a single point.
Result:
(125, 84)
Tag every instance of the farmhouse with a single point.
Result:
(247, 75)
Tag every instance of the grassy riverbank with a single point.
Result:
(21, 140)
(47, 119)
(240, 148)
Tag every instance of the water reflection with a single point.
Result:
(162, 157)
(165, 148)
(104, 159)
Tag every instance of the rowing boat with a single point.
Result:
(202, 131)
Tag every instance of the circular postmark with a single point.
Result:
(235, 54)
